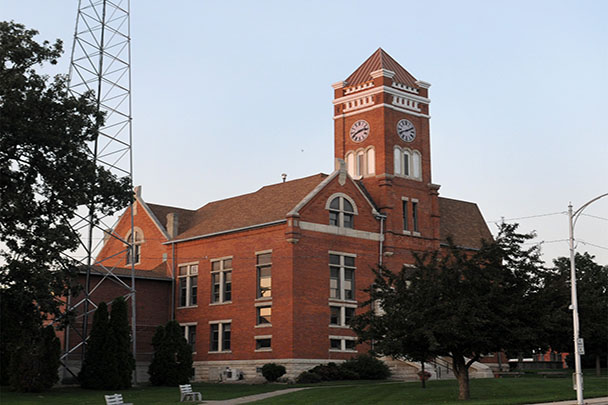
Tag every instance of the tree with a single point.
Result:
(172, 361)
(458, 304)
(99, 363)
(121, 332)
(109, 361)
(34, 365)
(592, 293)
(46, 173)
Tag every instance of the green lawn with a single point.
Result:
(141, 395)
(501, 391)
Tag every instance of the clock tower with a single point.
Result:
(381, 124)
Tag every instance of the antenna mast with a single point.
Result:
(101, 66)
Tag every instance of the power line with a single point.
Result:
(591, 244)
(528, 217)
(596, 217)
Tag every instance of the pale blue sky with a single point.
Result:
(227, 95)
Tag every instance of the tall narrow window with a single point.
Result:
(136, 239)
(397, 161)
(360, 164)
(219, 339)
(264, 275)
(415, 216)
(406, 163)
(405, 227)
(416, 165)
(188, 287)
(221, 280)
(350, 163)
(189, 331)
(341, 277)
(370, 161)
(341, 212)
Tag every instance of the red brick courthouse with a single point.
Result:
(276, 275)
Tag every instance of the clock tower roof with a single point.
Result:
(377, 61)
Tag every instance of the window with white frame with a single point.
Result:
(219, 339)
(407, 163)
(342, 276)
(187, 282)
(342, 344)
(341, 315)
(404, 205)
(415, 215)
(341, 212)
(264, 275)
(361, 163)
(221, 280)
(189, 331)
(264, 315)
(263, 343)
(135, 238)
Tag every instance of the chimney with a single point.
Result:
(172, 224)
(137, 191)
(284, 176)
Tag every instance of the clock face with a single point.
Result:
(359, 131)
(406, 130)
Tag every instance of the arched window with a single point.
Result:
(370, 160)
(416, 165)
(341, 211)
(397, 161)
(407, 163)
(136, 238)
(350, 163)
(360, 163)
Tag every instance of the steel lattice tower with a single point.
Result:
(101, 66)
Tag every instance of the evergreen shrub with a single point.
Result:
(272, 371)
(172, 361)
(308, 377)
(367, 367)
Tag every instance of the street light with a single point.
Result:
(578, 343)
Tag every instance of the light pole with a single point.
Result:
(573, 217)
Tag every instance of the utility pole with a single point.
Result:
(578, 342)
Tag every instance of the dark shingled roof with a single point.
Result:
(462, 221)
(159, 273)
(268, 204)
(184, 216)
(380, 60)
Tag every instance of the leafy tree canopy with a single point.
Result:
(459, 304)
(46, 173)
(592, 296)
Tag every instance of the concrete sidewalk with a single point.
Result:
(257, 397)
(253, 398)
(591, 401)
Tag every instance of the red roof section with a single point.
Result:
(463, 222)
(268, 204)
(184, 216)
(380, 60)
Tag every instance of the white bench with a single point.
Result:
(188, 395)
(115, 399)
